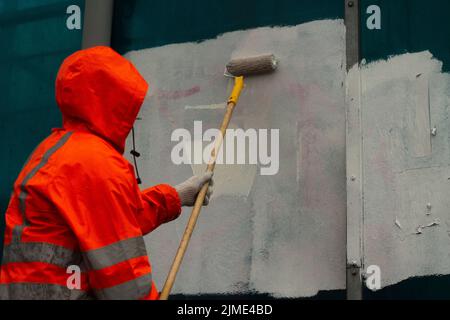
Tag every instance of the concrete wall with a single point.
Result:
(281, 234)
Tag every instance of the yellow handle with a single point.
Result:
(238, 85)
(232, 101)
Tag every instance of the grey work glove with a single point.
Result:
(188, 190)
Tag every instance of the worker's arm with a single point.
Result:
(162, 203)
(158, 205)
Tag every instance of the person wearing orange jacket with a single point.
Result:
(77, 203)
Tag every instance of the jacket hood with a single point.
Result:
(100, 91)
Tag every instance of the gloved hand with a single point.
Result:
(188, 190)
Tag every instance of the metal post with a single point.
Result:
(352, 32)
(354, 150)
(97, 24)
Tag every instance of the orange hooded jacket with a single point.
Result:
(76, 204)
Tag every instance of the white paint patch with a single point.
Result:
(283, 234)
(406, 168)
(235, 180)
(409, 66)
(215, 106)
(229, 179)
(398, 224)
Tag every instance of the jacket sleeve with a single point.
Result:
(159, 204)
(99, 205)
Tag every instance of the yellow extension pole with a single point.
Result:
(232, 101)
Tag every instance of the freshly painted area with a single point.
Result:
(405, 104)
(419, 160)
(283, 234)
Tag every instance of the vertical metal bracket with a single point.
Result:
(352, 21)
(97, 25)
(354, 153)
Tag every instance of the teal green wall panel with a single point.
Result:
(407, 26)
(142, 24)
(35, 40)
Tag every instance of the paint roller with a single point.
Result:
(238, 69)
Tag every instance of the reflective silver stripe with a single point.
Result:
(4, 294)
(40, 291)
(131, 290)
(115, 253)
(23, 192)
(17, 233)
(40, 252)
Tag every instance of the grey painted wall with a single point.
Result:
(282, 234)
(406, 182)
